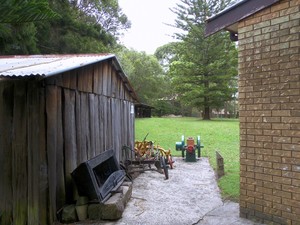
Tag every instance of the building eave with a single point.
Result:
(229, 18)
(44, 66)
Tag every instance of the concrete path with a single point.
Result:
(190, 196)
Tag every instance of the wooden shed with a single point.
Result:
(269, 98)
(57, 111)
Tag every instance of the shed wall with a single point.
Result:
(48, 128)
(269, 98)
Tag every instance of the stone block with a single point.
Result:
(114, 207)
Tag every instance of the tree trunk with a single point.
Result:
(206, 113)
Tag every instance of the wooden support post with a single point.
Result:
(220, 165)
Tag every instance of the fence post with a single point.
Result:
(220, 165)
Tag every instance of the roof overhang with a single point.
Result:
(228, 18)
(44, 66)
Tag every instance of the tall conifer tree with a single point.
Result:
(206, 68)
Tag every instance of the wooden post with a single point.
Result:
(220, 165)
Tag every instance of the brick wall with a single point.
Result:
(269, 97)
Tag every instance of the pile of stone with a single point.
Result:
(112, 209)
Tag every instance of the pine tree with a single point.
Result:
(204, 74)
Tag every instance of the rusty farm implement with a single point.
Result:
(148, 156)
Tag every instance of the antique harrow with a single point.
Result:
(147, 154)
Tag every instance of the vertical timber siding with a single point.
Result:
(269, 86)
(48, 128)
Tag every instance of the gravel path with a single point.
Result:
(189, 197)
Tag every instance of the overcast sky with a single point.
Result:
(148, 17)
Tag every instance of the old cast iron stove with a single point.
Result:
(98, 177)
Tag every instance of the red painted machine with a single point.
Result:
(190, 148)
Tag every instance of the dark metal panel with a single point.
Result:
(234, 14)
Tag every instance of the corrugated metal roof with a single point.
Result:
(46, 65)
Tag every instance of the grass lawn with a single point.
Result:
(220, 135)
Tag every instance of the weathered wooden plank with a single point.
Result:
(69, 79)
(101, 109)
(66, 79)
(51, 111)
(92, 125)
(60, 177)
(6, 114)
(79, 137)
(89, 73)
(98, 79)
(81, 79)
(113, 138)
(105, 78)
(109, 78)
(19, 155)
(117, 127)
(73, 79)
(70, 141)
(97, 125)
(114, 83)
(43, 171)
(33, 112)
(85, 79)
(122, 129)
(130, 125)
(108, 124)
(106, 128)
(121, 89)
(84, 116)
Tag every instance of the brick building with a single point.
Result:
(268, 34)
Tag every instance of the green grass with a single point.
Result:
(220, 135)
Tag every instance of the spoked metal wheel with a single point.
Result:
(164, 167)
